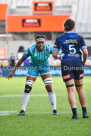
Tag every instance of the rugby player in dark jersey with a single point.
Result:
(72, 45)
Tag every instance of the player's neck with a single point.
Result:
(40, 50)
(69, 31)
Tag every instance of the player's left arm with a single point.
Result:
(85, 55)
(54, 53)
(84, 50)
(56, 49)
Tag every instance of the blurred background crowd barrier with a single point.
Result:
(22, 20)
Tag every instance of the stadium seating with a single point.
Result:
(5, 1)
(79, 10)
(83, 15)
(17, 3)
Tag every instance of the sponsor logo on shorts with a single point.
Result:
(66, 77)
(81, 75)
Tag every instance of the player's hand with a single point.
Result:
(59, 56)
(83, 63)
(10, 75)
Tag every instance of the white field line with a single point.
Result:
(16, 95)
(5, 113)
(19, 95)
(46, 112)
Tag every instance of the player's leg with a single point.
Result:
(71, 97)
(30, 79)
(68, 78)
(46, 77)
(82, 97)
(78, 73)
(26, 95)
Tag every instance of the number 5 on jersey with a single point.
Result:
(72, 49)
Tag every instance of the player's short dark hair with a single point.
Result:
(40, 36)
(69, 25)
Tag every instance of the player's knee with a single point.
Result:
(49, 88)
(28, 86)
(69, 85)
(48, 82)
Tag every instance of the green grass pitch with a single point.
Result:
(39, 120)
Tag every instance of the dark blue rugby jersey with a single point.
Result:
(71, 45)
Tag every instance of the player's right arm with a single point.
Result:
(24, 57)
(16, 66)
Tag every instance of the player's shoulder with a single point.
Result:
(61, 36)
(32, 46)
(80, 36)
(77, 35)
(48, 45)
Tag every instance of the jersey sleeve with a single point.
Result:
(27, 53)
(51, 49)
(56, 45)
(82, 44)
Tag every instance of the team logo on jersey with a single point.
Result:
(33, 50)
(81, 75)
(66, 76)
(71, 41)
(75, 41)
(47, 49)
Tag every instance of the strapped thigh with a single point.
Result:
(69, 85)
(48, 81)
(78, 85)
